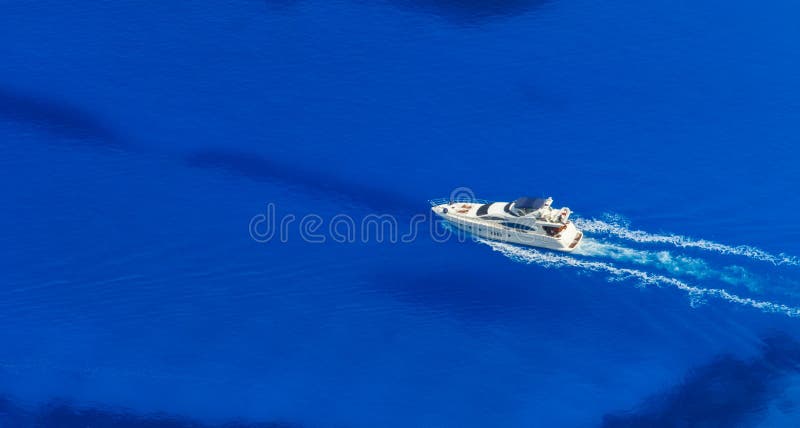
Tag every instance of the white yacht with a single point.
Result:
(526, 221)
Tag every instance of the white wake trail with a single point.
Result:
(553, 260)
(599, 226)
(675, 264)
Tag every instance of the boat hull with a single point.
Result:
(567, 241)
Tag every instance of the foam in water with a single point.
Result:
(674, 264)
(696, 294)
(619, 229)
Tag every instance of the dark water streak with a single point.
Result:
(727, 392)
(259, 168)
(460, 12)
(63, 119)
(62, 414)
(79, 128)
(470, 12)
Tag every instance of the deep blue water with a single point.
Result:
(139, 139)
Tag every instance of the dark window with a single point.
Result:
(483, 210)
(518, 226)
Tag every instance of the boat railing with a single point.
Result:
(458, 199)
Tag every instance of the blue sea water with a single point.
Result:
(139, 139)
